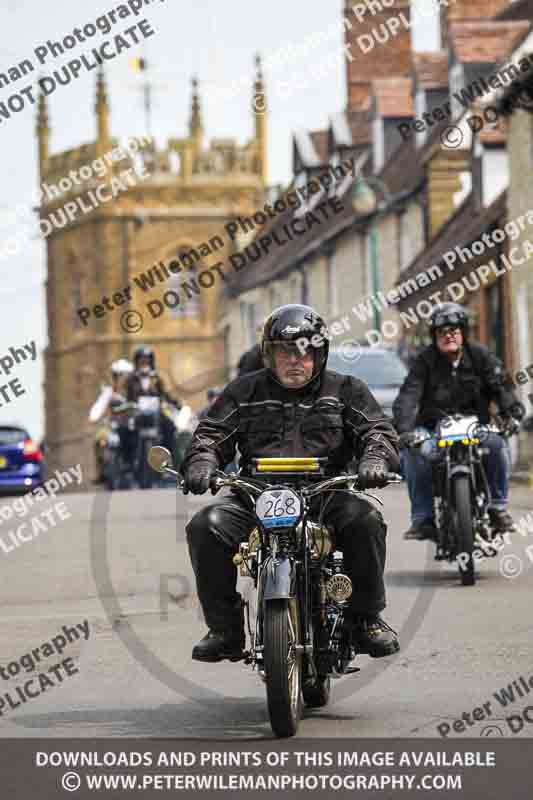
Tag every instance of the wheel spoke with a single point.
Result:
(292, 635)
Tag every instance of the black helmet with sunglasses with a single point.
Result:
(299, 329)
(448, 314)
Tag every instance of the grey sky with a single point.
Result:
(213, 40)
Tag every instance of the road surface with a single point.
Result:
(119, 563)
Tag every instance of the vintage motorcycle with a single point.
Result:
(461, 492)
(298, 641)
(116, 470)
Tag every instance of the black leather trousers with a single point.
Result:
(213, 537)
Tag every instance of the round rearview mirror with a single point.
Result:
(159, 458)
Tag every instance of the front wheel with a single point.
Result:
(283, 665)
(464, 530)
(145, 474)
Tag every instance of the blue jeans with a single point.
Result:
(416, 469)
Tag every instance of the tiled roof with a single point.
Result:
(431, 69)
(520, 9)
(282, 258)
(485, 42)
(405, 167)
(464, 227)
(393, 97)
(360, 126)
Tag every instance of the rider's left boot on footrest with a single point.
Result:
(217, 646)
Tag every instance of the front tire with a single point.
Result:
(283, 666)
(464, 530)
(145, 473)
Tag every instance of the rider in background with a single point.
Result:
(212, 393)
(453, 376)
(252, 359)
(111, 396)
(145, 382)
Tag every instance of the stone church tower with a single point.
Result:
(174, 214)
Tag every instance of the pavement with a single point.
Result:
(119, 563)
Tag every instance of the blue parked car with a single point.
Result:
(21, 461)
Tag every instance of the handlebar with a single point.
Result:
(420, 439)
(221, 481)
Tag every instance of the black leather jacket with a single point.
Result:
(334, 416)
(250, 361)
(433, 389)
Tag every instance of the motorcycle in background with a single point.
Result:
(298, 640)
(116, 469)
(147, 425)
(461, 492)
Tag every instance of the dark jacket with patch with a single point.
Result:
(334, 416)
(155, 387)
(433, 389)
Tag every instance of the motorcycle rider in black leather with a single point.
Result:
(453, 375)
(292, 407)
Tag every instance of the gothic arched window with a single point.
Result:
(187, 287)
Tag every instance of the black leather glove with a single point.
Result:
(372, 473)
(517, 411)
(198, 476)
(510, 426)
(407, 439)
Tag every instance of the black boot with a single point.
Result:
(421, 531)
(501, 520)
(371, 635)
(218, 646)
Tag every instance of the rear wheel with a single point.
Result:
(283, 665)
(464, 530)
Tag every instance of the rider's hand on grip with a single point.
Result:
(198, 477)
(372, 473)
(510, 426)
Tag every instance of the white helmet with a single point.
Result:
(121, 367)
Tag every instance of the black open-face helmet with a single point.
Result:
(448, 314)
(299, 327)
(143, 351)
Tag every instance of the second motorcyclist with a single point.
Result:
(453, 375)
(146, 382)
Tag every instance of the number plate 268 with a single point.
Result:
(278, 508)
